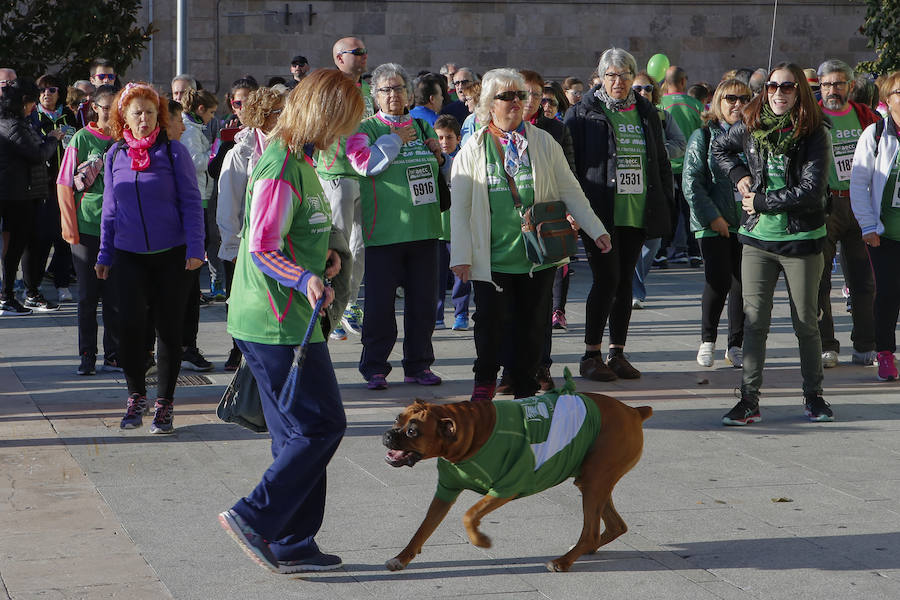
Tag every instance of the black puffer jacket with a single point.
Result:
(595, 162)
(806, 174)
(20, 148)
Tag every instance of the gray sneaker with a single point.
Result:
(250, 542)
(865, 358)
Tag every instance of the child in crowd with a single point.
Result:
(447, 129)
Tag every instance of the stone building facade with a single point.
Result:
(228, 38)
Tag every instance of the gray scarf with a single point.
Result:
(613, 104)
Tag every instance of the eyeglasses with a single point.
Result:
(510, 95)
(105, 76)
(354, 52)
(237, 103)
(50, 90)
(733, 98)
(550, 101)
(462, 82)
(838, 85)
(396, 89)
(643, 88)
(623, 76)
(786, 87)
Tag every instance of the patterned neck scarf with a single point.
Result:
(612, 103)
(137, 148)
(514, 144)
(775, 132)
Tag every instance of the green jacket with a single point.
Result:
(707, 188)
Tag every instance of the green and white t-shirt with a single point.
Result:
(631, 167)
(890, 204)
(507, 248)
(845, 134)
(537, 443)
(401, 203)
(687, 111)
(285, 206)
(773, 227)
(332, 162)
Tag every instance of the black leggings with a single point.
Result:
(159, 281)
(722, 267)
(610, 295)
(19, 223)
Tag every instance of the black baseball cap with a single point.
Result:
(299, 60)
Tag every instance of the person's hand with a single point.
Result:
(604, 243)
(57, 133)
(747, 203)
(407, 133)
(872, 239)
(232, 122)
(573, 222)
(192, 264)
(102, 271)
(720, 226)
(315, 288)
(461, 271)
(435, 147)
(332, 264)
(743, 186)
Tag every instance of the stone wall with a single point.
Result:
(231, 37)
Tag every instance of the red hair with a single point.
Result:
(126, 95)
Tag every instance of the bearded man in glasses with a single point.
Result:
(849, 119)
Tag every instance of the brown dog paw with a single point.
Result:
(556, 566)
(479, 539)
(395, 564)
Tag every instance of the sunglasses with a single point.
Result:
(462, 82)
(786, 87)
(104, 76)
(354, 52)
(550, 101)
(733, 98)
(50, 90)
(237, 103)
(511, 95)
(643, 88)
(103, 108)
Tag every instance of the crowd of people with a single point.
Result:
(308, 189)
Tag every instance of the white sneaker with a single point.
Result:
(705, 354)
(829, 359)
(636, 304)
(734, 356)
(63, 295)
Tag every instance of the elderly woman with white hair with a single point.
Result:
(398, 159)
(509, 159)
(621, 162)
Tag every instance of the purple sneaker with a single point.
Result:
(134, 410)
(426, 377)
(377, 382)
(250, 542)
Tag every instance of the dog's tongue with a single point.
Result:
(395, 455)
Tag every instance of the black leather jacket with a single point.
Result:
(806, 174)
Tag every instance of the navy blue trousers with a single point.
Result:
(288, 505)
(461, 291)
(412, 266)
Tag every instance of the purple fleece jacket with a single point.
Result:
(154, 209)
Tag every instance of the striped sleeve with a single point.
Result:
(277, 265)
(271, 213)
(67, 167)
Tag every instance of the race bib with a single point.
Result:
(68, 134)
(843, 160)
(421, 185)
(895, 201)
(629, 175)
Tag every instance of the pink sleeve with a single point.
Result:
(271, 211)
(358, 151)
(67, 167)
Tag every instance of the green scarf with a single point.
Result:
(770, 136)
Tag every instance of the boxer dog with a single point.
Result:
(455, 433)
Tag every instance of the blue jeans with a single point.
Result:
(642, 268)
(286, 507)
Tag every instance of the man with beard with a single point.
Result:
(849, 119)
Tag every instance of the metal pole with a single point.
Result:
(181, 55)
(772, 42)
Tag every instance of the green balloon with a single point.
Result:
(657, 66)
